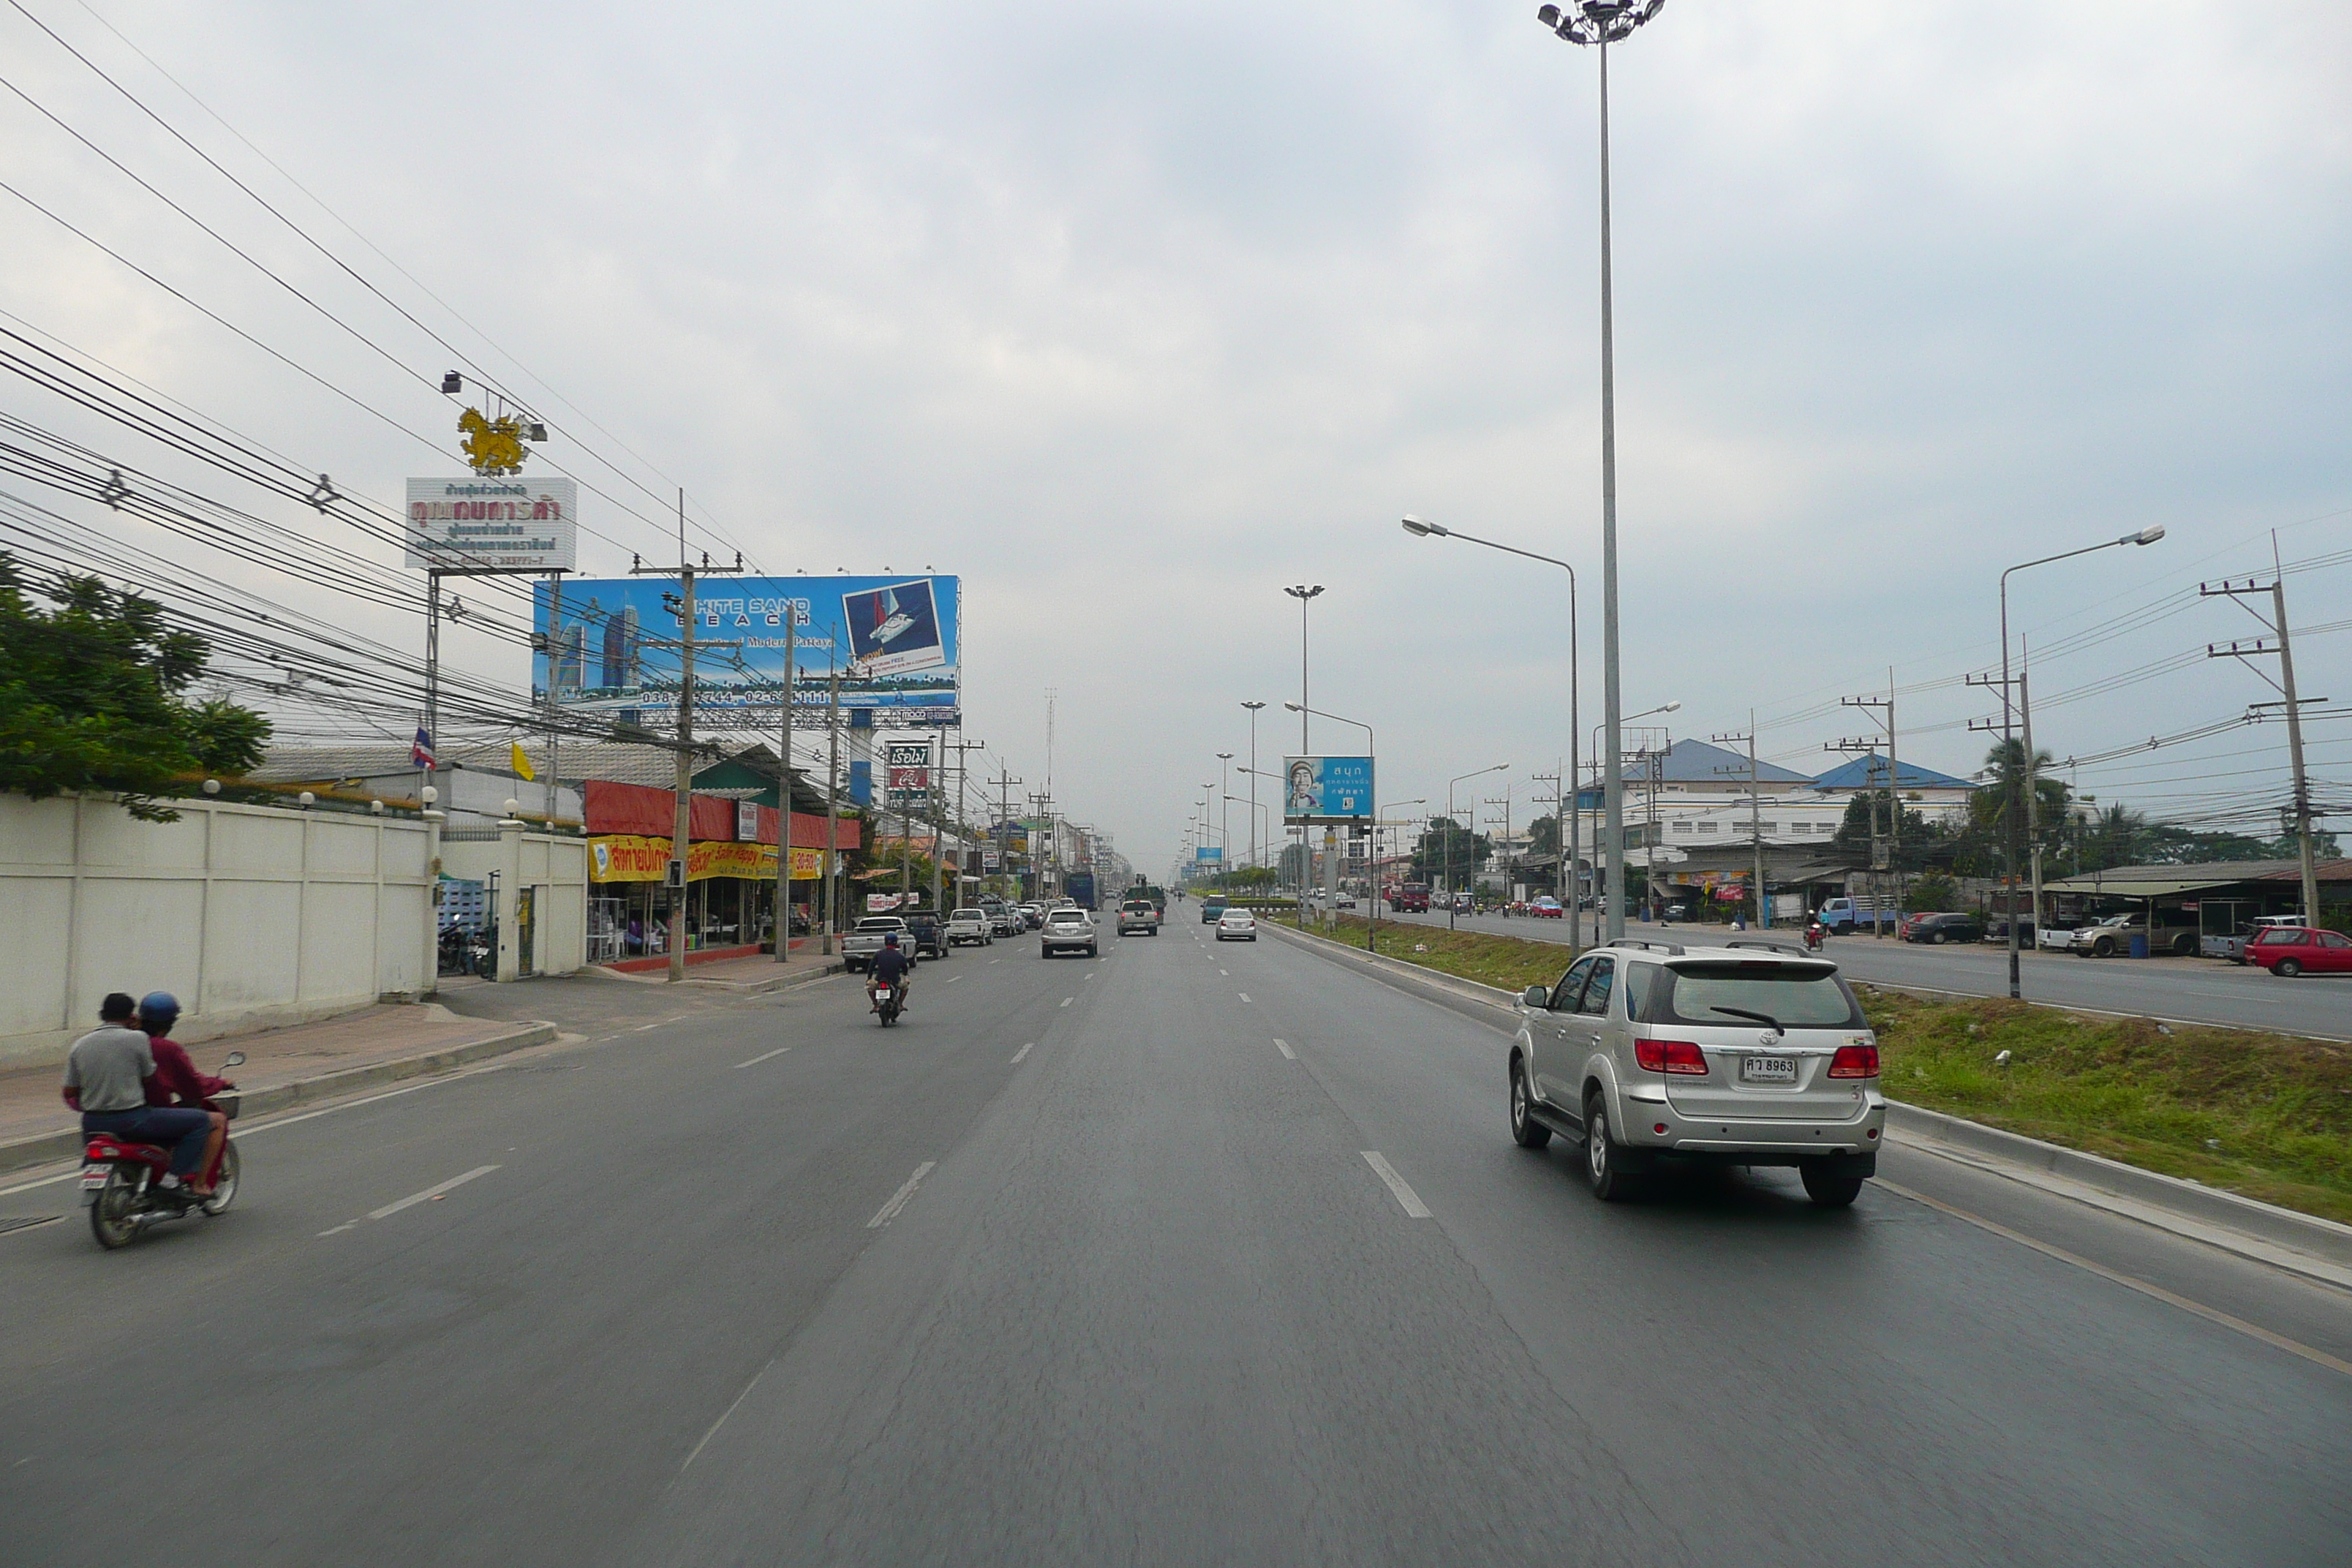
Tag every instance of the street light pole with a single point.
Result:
(1225, 817)
(1452, 922)
(1602, 23)
(1424, 530)
(2008, 737)
(1303, 593)
(1254, 708)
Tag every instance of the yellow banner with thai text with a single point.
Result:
(627, 857)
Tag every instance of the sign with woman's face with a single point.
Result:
(1326, 789)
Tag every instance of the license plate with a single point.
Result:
(1767, 1069)
(93, 1175)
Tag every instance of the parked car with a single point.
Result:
(2233, 946)
(1032, 914)
(927, 934)
(1065, 929)
(1650, 1054)
(1996, 928)
(1006, 920)
(2289, 951)
(970, 926)
(1939, 929)
(1237, 925)
(2176, 932)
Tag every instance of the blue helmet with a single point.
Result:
(158, 1011)
(890, 941)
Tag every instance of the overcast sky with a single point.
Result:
(1132, 316)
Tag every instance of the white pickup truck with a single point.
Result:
(969, 925)
(859, 946)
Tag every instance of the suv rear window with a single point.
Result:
(1795, 996)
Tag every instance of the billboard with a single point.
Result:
(895, 642)
(512, 523)
(1209, 852)
(1326, 789)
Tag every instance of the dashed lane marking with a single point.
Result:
(1067, 1000)
(433, 1191)
(1284, 1047)
(1243, 995)
(890, 1211)
(755, 1061)
(1022, 1052)
(954, 978)
(1406, 1196)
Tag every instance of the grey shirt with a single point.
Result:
(108, 1065)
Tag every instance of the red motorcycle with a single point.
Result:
(119, 1178)
(1814, 937)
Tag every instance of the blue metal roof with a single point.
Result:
(1870, 773)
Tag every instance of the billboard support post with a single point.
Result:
(832, 798)
(784, 798)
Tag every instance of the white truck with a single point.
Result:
(862, 942)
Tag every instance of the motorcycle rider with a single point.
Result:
(890, 968)
(105, 1080)
(176, 1081)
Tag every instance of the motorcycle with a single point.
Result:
(888, 1000)
(1814, 937)
(119, 1178)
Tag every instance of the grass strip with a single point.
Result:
(2265, 1116)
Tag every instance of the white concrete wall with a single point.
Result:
(556, 866)
(251, 915)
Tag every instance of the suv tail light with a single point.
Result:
(1854, 1061)
(1670, 1057)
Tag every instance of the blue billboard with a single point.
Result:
(1326, 789)
(609, 645)
(1208, 852)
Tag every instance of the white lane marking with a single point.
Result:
(1022, 1052)
(724, 1414)
(1067, 1000)
(431, 1192)
(1284, 1047)
(2197, 1308)
(1243, 995)
(1414, 1207)
(1223, 972)
(996, 961)
(755, 1061)
(347, 1225)
(641, 1028)
(954, 978)
(890, 1211)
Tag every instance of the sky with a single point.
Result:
(1132, 317)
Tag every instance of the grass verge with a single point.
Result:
(2266, 1116)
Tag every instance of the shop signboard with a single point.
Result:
(747, 821)
(1326, 789)
(479, 524)
(894, 642)
(629, 858)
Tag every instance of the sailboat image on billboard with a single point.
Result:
(894, 628)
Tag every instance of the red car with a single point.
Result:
(1547, 908)
(2290, 950)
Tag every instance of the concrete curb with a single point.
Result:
(2299, 1242)
(66, 1142)
(2281, 1236)
(806, 973)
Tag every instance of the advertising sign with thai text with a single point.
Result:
(1326, 789)
(493, 525)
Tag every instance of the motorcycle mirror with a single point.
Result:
(235, 1060)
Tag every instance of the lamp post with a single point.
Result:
(1254, 708)
(2148, 535)
(1615, 890)
(1304, 592)
(1603, 23)
(1225, 817)
(1451, 922)
(1424, 530)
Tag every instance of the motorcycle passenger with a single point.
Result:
(890, 968)
(105, 1080)
(176, 1081)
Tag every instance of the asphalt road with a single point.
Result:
(1194, 1254)
(2193, 989)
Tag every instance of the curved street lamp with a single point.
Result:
(1451, 922)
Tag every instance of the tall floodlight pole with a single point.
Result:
(1254, 708)
(1224, 817)
(2008, 737)
(1304, 592)
(1421, 529)
(1602, 23)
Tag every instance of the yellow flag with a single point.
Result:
(522, 764)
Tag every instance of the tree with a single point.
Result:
(1543, 838)
(1991, 807)
(94, 696)
(1448, 843)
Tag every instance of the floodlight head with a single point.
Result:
(2150, 534)
(1421, 529)
(1548, 14)
(1671, 706)
(1293, 708)
(452, 384)
(1303, 590)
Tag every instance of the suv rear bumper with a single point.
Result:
(1752, 1141)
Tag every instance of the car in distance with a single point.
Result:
(1211, 907)
(1546, 908)
(2289, 951)
(1003, 920)
(1139, 915)
(864, 940)
(2175, 932)
(1943, 928)
(927, 934)
(1237, 925)
(1651, 1055)
(1068, 928)
(1412, 899)
(970, 926)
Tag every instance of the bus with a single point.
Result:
(1078, 887)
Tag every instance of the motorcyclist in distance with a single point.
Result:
(177, 1083)
(890, 968)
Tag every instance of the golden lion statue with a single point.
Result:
(492, 446)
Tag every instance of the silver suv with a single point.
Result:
(1649, 1054)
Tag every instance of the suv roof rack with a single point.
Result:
(1770, 947)
(1672, 948)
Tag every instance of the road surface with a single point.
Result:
(2199, 990)
(1192, 1254)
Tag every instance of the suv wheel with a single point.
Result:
(1525, 1130)
(1827, 1191)
(1605, 1157)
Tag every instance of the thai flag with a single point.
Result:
(420, 750)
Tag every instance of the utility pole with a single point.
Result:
(963, 768)
(1005, 781)
(832, 801)
(785, 796)
(1755, 818)
(1504, 802)
(1882, 708)
(1867, 746)
(2277, 642)
(2011, 686)
(681, 827)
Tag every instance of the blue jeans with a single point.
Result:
(184, 1131)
